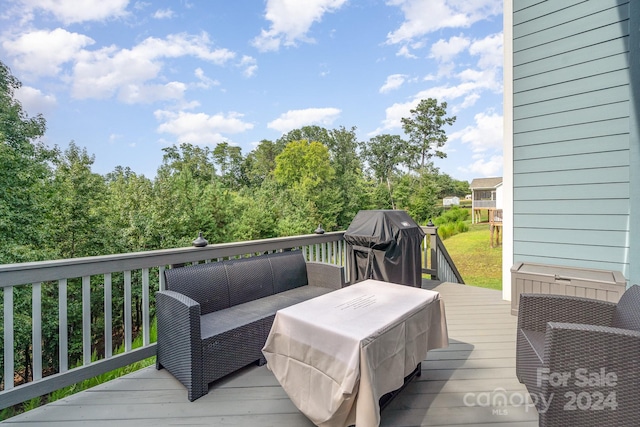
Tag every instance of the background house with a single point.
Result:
(571, 135)
(486, 194)
(451, 201)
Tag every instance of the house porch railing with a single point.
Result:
(100, 277)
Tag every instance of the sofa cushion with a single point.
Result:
(243, 314)
(289, 270)
(204, 283)
(249, 279)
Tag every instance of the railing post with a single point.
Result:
(433, 246)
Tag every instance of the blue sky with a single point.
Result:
(126, 78)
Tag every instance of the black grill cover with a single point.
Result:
(384, 245)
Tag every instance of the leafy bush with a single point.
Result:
(452, 222)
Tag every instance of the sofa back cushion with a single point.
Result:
(627, 314)
(249, 279)
(204, 283)
(289, 270)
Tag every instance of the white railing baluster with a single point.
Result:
(86, 320)
(8, 338)
(108, 317)
(63, 338)
(145, 306)
(36, 330)
(127, 311)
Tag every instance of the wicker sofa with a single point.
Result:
(214, 318)
(580, 358)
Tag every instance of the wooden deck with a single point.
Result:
(457, 386)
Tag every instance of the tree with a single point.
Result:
(384, 154)
(77, 206)
(24, 174)
(304, 164)
(129, 216)
(425, 130)
(261, 162)
(188, 198)
(230, 161)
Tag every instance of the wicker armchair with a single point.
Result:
(580, 358)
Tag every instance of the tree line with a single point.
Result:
(53, 206)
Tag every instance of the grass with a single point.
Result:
(478, 263)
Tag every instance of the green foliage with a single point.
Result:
(426, 132)
(454, 214)
(452, 222)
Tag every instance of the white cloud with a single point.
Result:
(393, 82)
(72, 11)
(405, 52)
(104, 72)
(468, 91)
(294, 119)
(145, 94)
(44, 52)
(484, 135)
(291, 21)
(163, 14)
(423, 17)
(490, 51)
(445, 51)
(483, 167)
(249, 64)
(34, 101)
(205, 82)
(200, 128)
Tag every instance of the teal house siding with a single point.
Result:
(575, 137)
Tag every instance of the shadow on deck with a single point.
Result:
(458, 386)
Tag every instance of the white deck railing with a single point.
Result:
(143, 269)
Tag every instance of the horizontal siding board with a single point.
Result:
(535, 9)
(519, 5)
(582, 252)
(572, 147)
(572, 87)
(575, 162)
(572, 207)
(618, 239)
(571, 58)
(573, 72)
(601, 192)
(597, 263)
(604, 96)
(568, 22)
(569, 133)
(578, 41)
(573, 117)
(580, 223)
(571, 177)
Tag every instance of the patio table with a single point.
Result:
(336, 355)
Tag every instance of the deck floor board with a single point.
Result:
(479, 363)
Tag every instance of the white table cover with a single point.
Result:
(337, 354)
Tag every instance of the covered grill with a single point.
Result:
(384, 245)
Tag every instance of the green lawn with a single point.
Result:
(478, 263)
